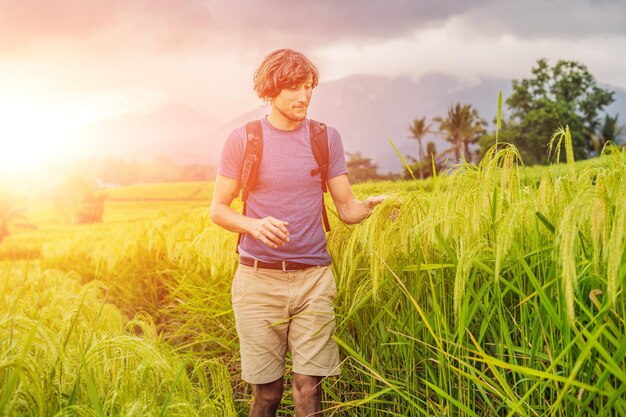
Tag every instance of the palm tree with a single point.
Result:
(611, 129)
(462, 127)
(418, 130)
(431, 164)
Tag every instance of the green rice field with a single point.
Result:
(490, 290)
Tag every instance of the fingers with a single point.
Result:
(275, 236)
(272, 232)
(393, 215)
(282, 226)
(278, 231)
(373, 201)
(268, 242)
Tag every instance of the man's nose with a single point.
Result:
(302, 95)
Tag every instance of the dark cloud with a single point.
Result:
(21, 21)
(226, 25)
(29, 22)
(218, 24)
(147, 44)
(561, 19)
(323, 21)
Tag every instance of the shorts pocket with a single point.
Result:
(235, 291)
(330, 282)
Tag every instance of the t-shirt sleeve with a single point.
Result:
(231, 158)
(336, 156)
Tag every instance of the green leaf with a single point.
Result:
(402, 158)
(499, 116)
(546, 222)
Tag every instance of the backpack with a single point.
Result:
(254, 153)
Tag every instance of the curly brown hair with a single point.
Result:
(282, 68)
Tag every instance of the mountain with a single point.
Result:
(173, 130)
(367, 111)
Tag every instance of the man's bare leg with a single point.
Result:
(266, 399)
(307, 395)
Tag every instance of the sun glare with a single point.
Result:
(37, 130)
(32, 132)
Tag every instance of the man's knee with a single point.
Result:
(305, 386)
(269, 395)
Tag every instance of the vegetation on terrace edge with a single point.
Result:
(498, 290)
(64, 350)
(489, 295)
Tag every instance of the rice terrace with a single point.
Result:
(497, 290)
(312, 209)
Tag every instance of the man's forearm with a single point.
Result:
(355, 211)
(224, 216)
(269, 230)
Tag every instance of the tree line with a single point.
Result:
(553, 96)
(77, 198)
(117, 172)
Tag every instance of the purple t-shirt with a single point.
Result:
(286, 190)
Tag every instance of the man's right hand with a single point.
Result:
(271, 231)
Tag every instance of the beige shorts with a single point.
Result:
(279, 311)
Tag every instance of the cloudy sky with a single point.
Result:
(67, 63)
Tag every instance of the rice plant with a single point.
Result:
(488, 296)
(497, 290)
(65, 351)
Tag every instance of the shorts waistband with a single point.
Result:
(282, 265)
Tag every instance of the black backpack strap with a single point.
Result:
(252, 157)
(319, 146)
(251, 162)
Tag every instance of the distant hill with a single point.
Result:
(370, 110)
(174, 130)
(367, 110)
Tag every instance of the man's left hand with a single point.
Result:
(373, 201)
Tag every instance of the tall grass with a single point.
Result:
(488, 296)
(65, 351)
(498, 290)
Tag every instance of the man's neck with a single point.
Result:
(280, 122)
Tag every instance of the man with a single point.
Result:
(283, 290)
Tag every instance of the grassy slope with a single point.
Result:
(178, 255)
